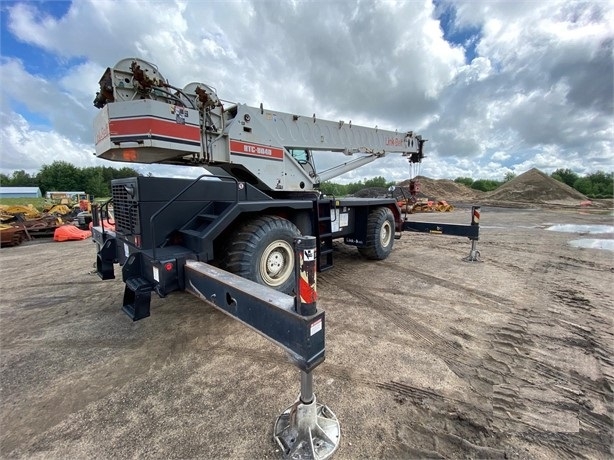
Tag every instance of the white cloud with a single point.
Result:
(26, 148)
(544, 84)
(500, 156)
(63, 107)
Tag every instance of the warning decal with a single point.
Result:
(316, 326)
(309, 255)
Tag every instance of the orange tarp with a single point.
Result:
(108, 225)
(70, 233)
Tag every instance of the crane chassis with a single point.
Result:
(260, 189)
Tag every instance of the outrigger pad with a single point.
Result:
(307, 431)
(137, 298)
(105, 260)
(104, 268)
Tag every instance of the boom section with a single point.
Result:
(144, 119)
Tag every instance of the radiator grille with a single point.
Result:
(125, 210)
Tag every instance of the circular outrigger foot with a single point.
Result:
(474, 254)
(307, 431)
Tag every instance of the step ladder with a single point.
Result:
(194, 230)
(324, 234)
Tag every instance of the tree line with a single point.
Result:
(595, 185)
(63, 176)
(334, 189)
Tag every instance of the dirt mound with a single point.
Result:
(443, 189)
(530, 188)
(371, 192)
(537, 187)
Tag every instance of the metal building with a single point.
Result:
(20, 192)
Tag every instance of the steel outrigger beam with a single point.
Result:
(306, 429)
(471, 231)
(264, 310)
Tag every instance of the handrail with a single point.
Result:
(334, 208)
(98, 213)
(172, 200)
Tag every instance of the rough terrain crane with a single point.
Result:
(261, 192)
(254, 227)
(260, 189)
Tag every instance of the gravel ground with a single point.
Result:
(428, 356)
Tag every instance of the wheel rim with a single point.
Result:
(277, 263)
(385, 234)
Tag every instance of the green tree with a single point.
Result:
(108, 173)
(468, 181)
(96, 185)
(23, 179)
(5, 180)
(332, 189)
(584, 186)
(60, 175)
(602, 184)
(353, 187)
(508, 176)
(567, 176)
(485, 185)
(125, 172)
(378, 181)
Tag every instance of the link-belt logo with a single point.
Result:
(394, 141)
(256, 150)
(407, 141)
(102, 132)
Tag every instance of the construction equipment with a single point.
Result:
(412, 204)
(58, 209)
(30, 220)
(256, 202)
(444, 206)
(11, 235)
(260, 189)
(425, 206)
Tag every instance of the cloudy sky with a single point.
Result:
(496, 86)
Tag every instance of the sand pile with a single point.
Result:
(535, 187)
(530, 188)
(432, 189)
(443, 189)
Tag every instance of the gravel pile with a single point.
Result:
(531, 187)
(442, 189)
(537, 187)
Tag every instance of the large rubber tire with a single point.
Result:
(262, 251)
(380, 234)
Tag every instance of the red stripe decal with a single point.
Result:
(134, 126)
